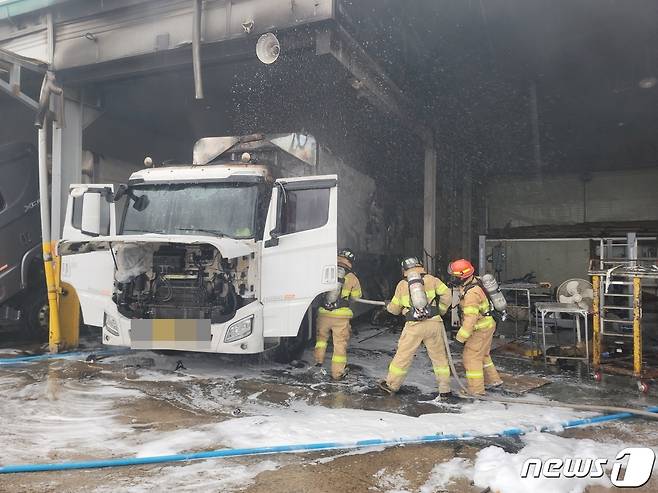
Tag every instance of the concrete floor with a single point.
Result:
(136, 402)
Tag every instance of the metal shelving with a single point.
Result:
(622, 273)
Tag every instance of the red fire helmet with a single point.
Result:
(461, 269)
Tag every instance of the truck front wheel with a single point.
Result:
(292, 348)
(35, 314)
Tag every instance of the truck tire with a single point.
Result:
(292, 348)
(34, 309)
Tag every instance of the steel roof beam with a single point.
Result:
(371, 80)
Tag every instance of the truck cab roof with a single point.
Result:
(238, 172)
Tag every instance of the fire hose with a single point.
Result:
(369, 302)
(300, 448)
(76, 355)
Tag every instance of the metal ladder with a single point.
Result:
(620, 304)
(604, 326)
(626, 304)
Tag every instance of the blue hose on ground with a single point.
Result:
(307, 447)
(15, 360)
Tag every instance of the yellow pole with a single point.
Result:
(637, 327)
(54, 336)
(68, 307)
(596, 322)
(54, 333)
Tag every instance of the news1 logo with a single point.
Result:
(631, 468)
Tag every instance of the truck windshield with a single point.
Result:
(220, 209)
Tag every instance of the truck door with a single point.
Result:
(298, 250)
(90, 213)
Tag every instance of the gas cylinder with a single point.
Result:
(493, 290)
(333, 296)
(417, 290)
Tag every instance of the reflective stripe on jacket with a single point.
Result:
(351, 290)
(475, 308)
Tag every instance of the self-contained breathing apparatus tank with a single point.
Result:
(332, 297)
(417, 295)
(495, 296)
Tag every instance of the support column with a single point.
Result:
(66, 162)
(596, 311)
(534, 122)
(430, 213)
(637, 327)
(631, 248)
(467, 216)
(482, 255)
(631, 256)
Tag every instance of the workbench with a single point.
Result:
(542, 309)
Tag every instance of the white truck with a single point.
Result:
(218, 256)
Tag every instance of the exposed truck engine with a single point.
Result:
(173, 281)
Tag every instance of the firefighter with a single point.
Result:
(477, 328)
(334, 317)
(422, 299)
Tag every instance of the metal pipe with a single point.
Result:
(512, 240)
(377, 334)
(601, 253)
(43, 184)
(54, 337)
(196, 49)
(49, 86)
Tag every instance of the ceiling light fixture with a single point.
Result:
(648, 82)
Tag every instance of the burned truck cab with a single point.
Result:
(218, 256)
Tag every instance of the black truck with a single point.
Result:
(23, 299)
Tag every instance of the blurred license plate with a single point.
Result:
(171, 333)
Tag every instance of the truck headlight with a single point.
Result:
(239, 330)
(111, 324)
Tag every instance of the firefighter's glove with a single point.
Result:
(381, 317)
(384, 314)
(460, 339)
(376, 316)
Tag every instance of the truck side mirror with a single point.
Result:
(141, 203)
(91, 214)
(121, 191)
(274, 238)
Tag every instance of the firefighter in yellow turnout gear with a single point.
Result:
(335, 316)
(477, 329)
(422, 299)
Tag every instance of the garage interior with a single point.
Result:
(538, 101)
(518, 134)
